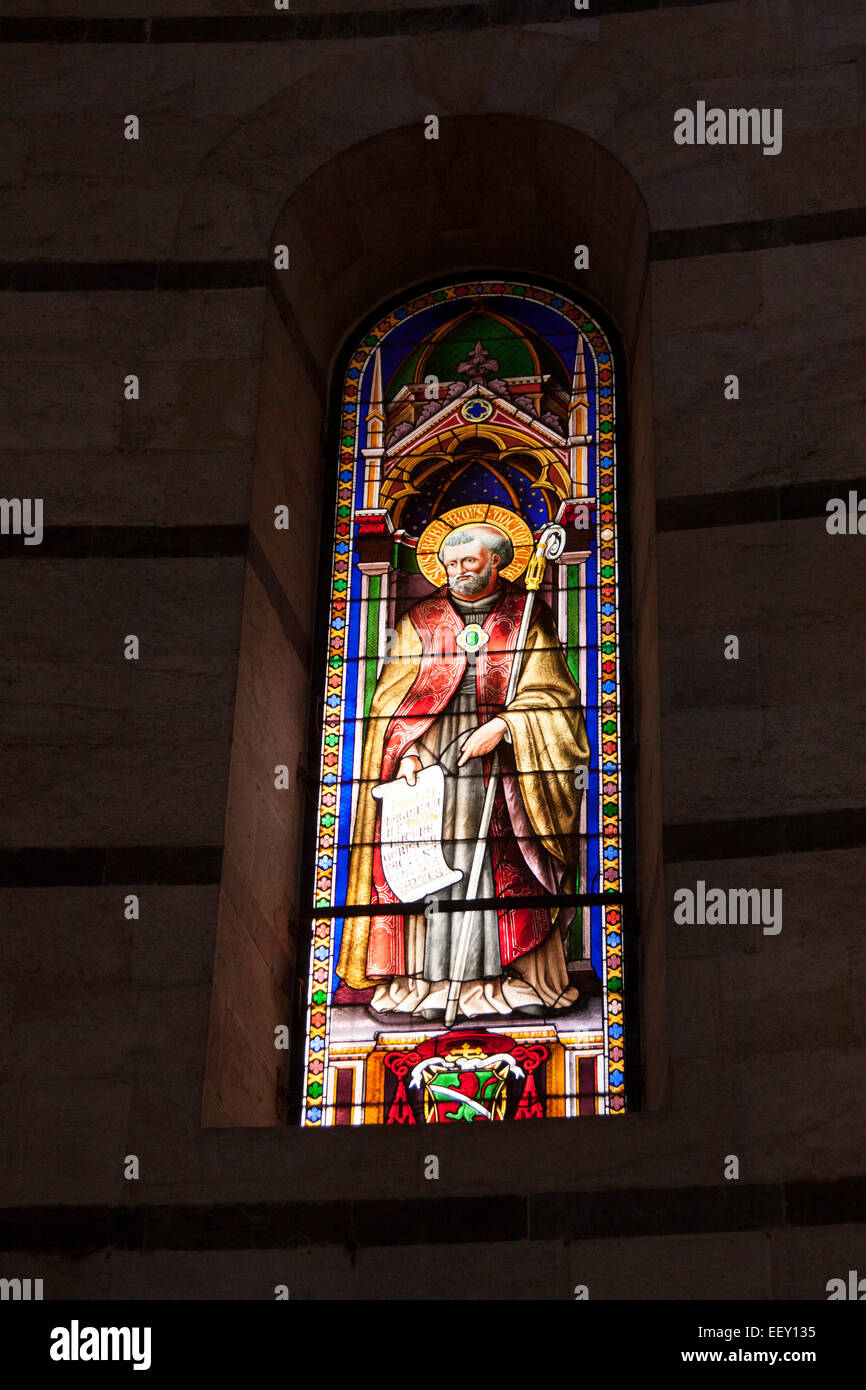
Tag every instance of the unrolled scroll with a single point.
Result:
(411, 836)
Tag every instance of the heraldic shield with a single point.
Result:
(466, 1076)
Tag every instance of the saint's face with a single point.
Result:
(471, 569)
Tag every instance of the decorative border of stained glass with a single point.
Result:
(338, 755)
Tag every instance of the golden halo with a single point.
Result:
(473, 514)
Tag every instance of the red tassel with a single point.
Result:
(530, 1106)
(400, 1112)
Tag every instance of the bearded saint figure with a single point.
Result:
(436, 703)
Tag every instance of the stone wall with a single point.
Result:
(150, 257)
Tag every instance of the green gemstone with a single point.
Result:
(610, 808)
(344, 510)
(327, 822)
(339, 585)
(609, 726)
(347, 441)
(606, 427)
(614, 982)
(319, 997)
(335, 662)
(608, 647)
(332, 740)
(607, 571)
(315, 1089)
(322, 902)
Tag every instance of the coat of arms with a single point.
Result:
(466, 1076)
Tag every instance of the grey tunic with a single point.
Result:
(464, 800)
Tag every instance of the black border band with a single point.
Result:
(288, 26)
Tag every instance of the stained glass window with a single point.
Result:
(468, 908)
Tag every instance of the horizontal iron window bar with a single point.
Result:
(464, 905)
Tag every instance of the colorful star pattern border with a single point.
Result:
(313, 1109)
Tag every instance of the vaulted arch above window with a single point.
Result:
(347, 257)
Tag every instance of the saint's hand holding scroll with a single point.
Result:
(443, 701)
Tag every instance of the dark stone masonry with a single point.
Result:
(154, 1037)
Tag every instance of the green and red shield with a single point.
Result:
(465, 1093)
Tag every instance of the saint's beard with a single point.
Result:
(468, 585)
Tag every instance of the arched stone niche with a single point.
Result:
(494, 193)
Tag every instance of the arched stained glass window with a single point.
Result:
(468, 891)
